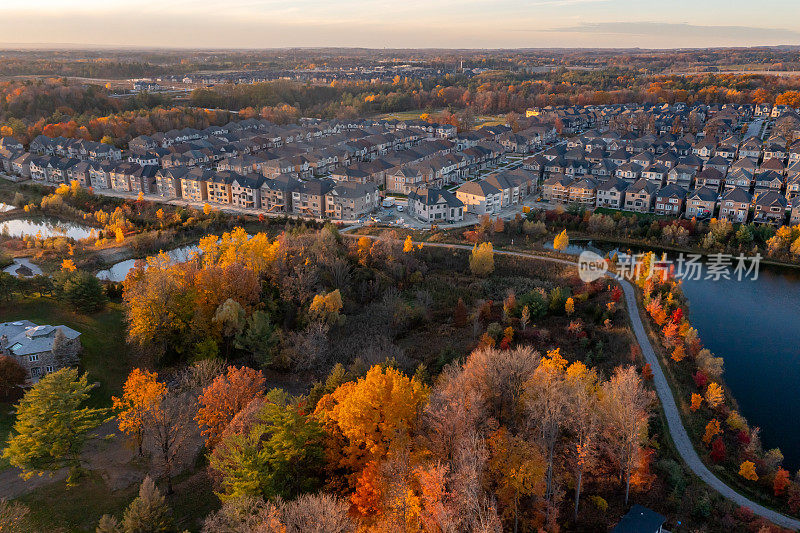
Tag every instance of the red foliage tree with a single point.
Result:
(718, 450)
(225, 397)
(700, 379)
(781, 482)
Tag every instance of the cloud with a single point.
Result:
(684, 31)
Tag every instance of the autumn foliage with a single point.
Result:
(225, 397)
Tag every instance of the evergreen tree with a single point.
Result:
(52, 425)
(148, 513)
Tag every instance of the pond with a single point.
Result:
(44, 227)
(118, 271)
(28, 268)
(754, 325)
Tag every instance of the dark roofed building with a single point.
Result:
(640, 520)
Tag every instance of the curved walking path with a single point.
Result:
(679, 436)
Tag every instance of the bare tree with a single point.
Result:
(14, 517)
(172, 425)
(547, 404)
(583, 422)
(317, 513)
(245, 515)
(499, 377)
(309, 349)
(625, 406)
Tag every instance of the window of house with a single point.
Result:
(34, 357)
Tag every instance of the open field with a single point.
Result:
(480, 120)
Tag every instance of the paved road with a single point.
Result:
(679, 436)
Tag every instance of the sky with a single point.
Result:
(401, 23)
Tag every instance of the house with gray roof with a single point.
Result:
(735, 205)
(480, 197)
(701, 202)
(611, 193)
(640, 196)
(40, 350)
(435, 205)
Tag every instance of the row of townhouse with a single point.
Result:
(74, 148)
(775, 170)
(318, 198)
(641, 118)
(497, 191)
(441, 169)
(733, 204)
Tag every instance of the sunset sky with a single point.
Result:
(406, 23)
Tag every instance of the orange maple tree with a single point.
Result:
(781, 481)
(227, 395)
(141, 395)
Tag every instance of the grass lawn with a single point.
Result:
(57, 507)
(105, 354)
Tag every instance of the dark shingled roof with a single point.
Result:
(640, 520)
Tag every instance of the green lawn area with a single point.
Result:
(105, 354)
(56, 507)
(480, 120)
(648, 216)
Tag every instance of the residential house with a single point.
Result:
(193, 184)
(682, 176)
(351, 201)
(168, 181)
(794, 214)
(276, 193)
(583, 191)
(770, 208)
(480, 197)
(514, 185)
(670, 199)
(40, 350)
(246, 191)
(404, 180)
(735, 205)
(640, 196)
(710, 177)
(309, 197)
(435, 205)
(768, 180)
(611, 193)
(556, 189)
(701, 202)
(640, 520)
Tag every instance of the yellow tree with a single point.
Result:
(561, 241)
(141, 395)
(371, 414)
(120, 236)
(748, 470)
(714, 395)
(68, 265)
(326, 307)
(206, 209)
(569, 306)
(518, 467)
(481, 261)
(546, 398)
(712, 430)
(408, 245)
(697, 401)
